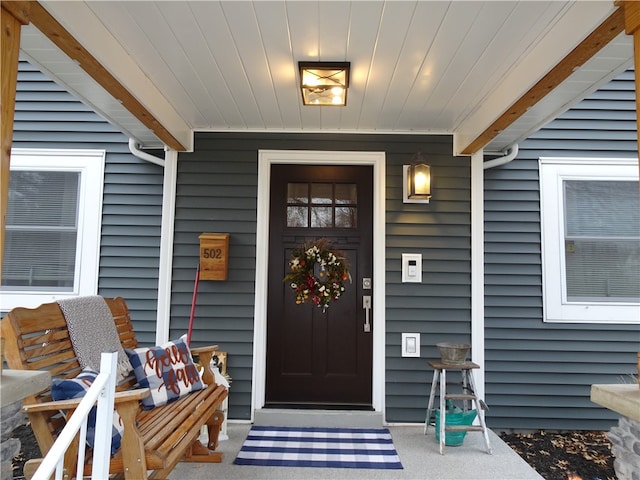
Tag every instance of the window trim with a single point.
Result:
(556, 307)
(90, 164)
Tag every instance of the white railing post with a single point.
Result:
(104, 418)
(102, 390)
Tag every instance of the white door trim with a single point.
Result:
(308, 157)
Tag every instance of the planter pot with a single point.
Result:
(455, 418)
(453, 353)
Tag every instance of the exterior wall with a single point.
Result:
(538, 375)
(217, 187)
(46, 116)
(439, 308)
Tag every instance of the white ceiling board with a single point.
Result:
(410, 80)
(333, 31)
(176, 46)
(216, 70)
(221, 40)
(280, 63)
(333, 20)
(416, 66)
(364, 21)
(457, 48)
(304, 37)
(456, 20)
(126, 28)
(96, 37)
(44, 54)
(559, 39)
(614, 59)
(461, 67)
(388, 46)
(500, 63)
(251, 49)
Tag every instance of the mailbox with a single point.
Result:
(214, 256)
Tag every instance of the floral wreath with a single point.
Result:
(318, 273)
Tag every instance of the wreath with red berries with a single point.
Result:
(317, 273)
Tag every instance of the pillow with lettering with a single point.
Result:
(167, 370)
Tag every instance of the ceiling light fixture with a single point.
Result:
(324, 83)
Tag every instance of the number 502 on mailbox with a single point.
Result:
(214, 256)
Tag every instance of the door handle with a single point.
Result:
(366, 304)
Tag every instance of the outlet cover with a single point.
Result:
(411, 345)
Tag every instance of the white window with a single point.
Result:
(590, 240)
(53, 224)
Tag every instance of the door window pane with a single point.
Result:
(321, 193)
(346, 217)
(297, 216)
(322, 205)
(321, 217)
(346, 193)
(297, 193)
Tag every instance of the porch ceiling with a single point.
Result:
(417, 66)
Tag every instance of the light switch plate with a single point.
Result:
(411, 345)
(411, 268)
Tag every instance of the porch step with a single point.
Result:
(317, 418)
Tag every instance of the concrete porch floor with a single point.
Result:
(418, 453)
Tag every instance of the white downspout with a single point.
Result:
(170, 165)
(166, 245)
(508, 155)
(133, 148)
(478, 166)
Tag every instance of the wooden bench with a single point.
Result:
(155, 440)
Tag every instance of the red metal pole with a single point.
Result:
(193, 305)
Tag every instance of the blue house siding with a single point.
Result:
(439, 308)
(46, 116)
(538, 375)
(217, 188)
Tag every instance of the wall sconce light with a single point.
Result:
(416, 182)
(324, 83)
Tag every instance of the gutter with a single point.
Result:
(478, 166)
(507, 155)
(133, 148)
(167, 229)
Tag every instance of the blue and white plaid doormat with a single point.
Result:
(319, 447)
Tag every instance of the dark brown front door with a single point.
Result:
(314, 357)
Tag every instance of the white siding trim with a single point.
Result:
(167, 231)
(477, 268)
(265, 159)
(556, 307)
(91, 165)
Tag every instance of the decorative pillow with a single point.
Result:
(167, 370)
(77, 388)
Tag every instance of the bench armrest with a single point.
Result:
(120, 397)
(206, 354)
(128, 395)
(200, 350)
